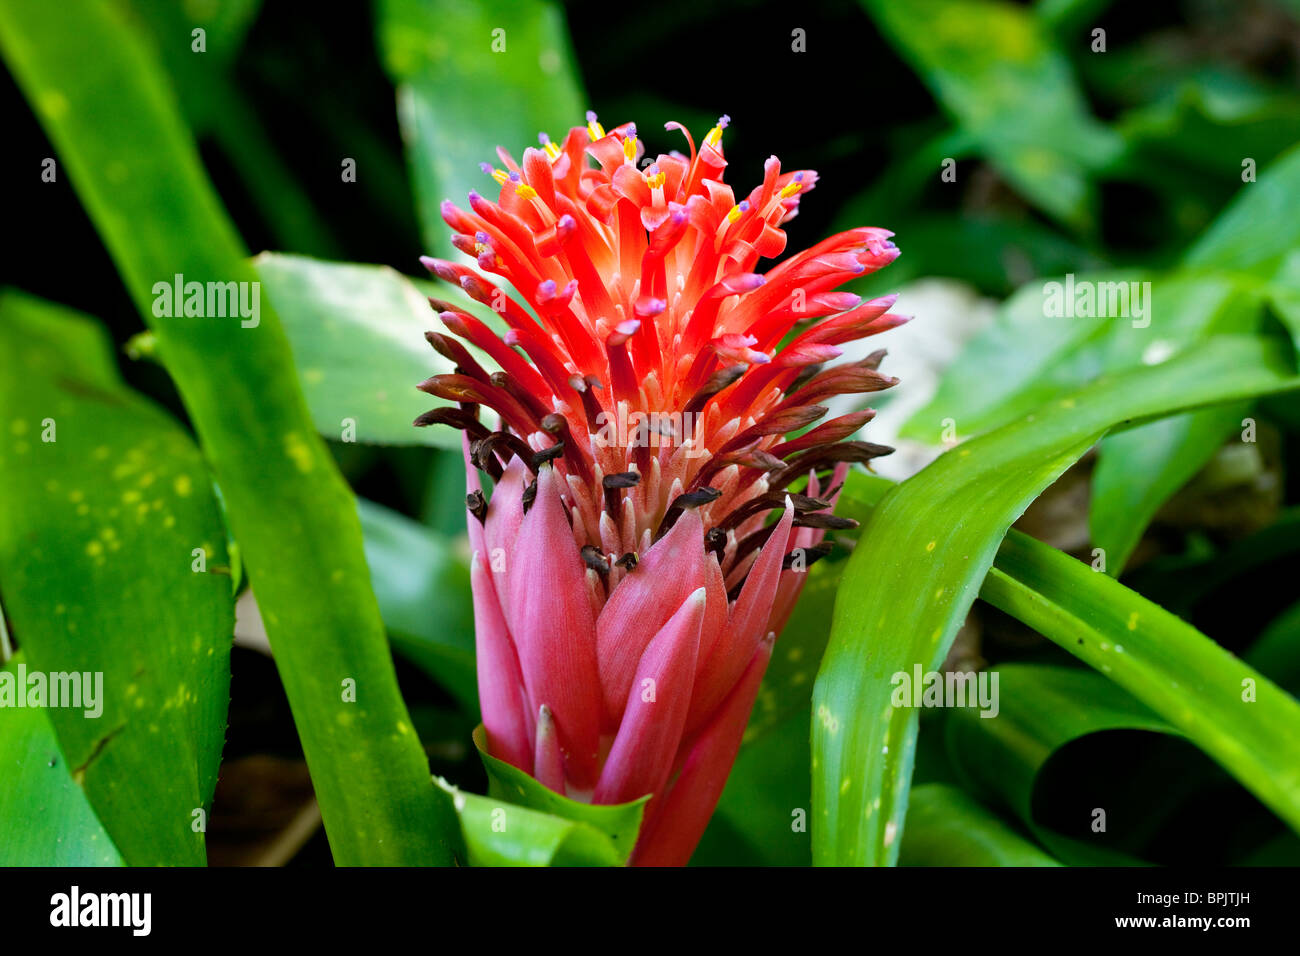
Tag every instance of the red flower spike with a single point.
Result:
(642, 544)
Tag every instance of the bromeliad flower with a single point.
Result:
(628, 583)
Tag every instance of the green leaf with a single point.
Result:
(107, 512)
(1235, 714)
(918, 565)
(358, 343)
(459, 98)
(997, 72)
(44, 815)
(618, 823)
(1258, 231)
(1026, 357)
(103, 100)
(498, 833)
(1276, 652)
(948, 827)
(1140, 469)
(424, 596)
(215, 106)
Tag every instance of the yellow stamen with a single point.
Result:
(790, 190)
(525, 190)
(714, 137)
(655, 181)
(734, 214)
(552, 151)
(595, 131)
(629, 148)
(500, 175)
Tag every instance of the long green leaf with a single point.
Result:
(1227, 708)
(114, 571)
(918, 566)
(103, 100)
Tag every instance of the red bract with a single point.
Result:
(628, 584)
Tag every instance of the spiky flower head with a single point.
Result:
(628, 579)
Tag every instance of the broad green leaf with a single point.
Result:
(996, 70)
(44, 816)
(105, 105)
(618, 823)
(498, 833)
(1041, 710)
(948, 827)
(115, 574)
(1232, 712)
(358, 343)
(424, 595)
(917, 567)
(472, 76)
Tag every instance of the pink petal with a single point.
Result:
(651, 731)
(547, 760)
(644, 599)
(550, 617)
(500, 682)
(670, 836)
(745, 628)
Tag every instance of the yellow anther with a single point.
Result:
(552, 151)
(790, 190)
(500, 175)
(714, 137)
(655, 181)
(595, 131)
(734, 214)
(525, 190)
(629, 148)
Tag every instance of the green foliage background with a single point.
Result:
(1162, 150)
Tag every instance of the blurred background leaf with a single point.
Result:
(472, 76)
